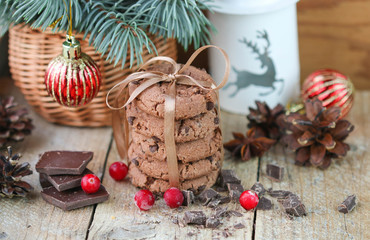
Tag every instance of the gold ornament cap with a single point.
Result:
(71, 48)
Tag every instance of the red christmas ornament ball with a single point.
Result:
(249, 200)
(173, 197)
(331, 87)
(73, 79)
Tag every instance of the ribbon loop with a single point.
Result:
(147, 79)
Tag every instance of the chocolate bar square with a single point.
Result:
(274, 172)
(65, 182)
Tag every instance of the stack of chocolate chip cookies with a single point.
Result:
(197, 134)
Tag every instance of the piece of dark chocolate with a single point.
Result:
(63, 162)
(73, 198)
(259, 189)
(65, 182)
(348, 204)
(239, 226)
(220, 212)
(207, 195)
(228, 176)
(188, 198)
(235, 190)
(212, 222)
(213, 203)
(274, 172)
(195, 217)
(279, 193)
(293, 206)
(44, 180)
(225, 199)
(264, 204)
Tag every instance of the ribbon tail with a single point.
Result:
(169, 137)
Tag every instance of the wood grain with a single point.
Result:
(119, 218)
(32, 217)
(322, 191)
(335, 34)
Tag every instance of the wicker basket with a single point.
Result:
(30, 52)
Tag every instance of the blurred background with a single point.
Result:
(332, 34)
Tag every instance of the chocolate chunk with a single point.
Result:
(188, 198)
(210, 106)
(264, 204)
(130, 120)
(235, 190)
(207, 195)
(212, 222)
(214, 203)
(73, 198)
(225, 199)
(153, 148)
(63, 162)
(228, 176)
(216, 120)
(135, 162)
(220, 189)
(234, 213)
(258, 188)
(279, 193)
(348, 205)
(293, 206)
(239, 226)
(65, 182)
(226, 234)
(195, 217)
(44, 181)
(274, 172)
(156, 139)
(221, 212)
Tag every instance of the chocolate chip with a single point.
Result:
(195, 217)
(156, 139)
(228, 176)
(258, 188)
(239, 226)
(210, 106)
(348, 204)
(293, 206)
(130, 120)
(279, 193)
(264, 204)
(216, 120)
(275, 172)
(135, 162)
(188, 198)
(210, 158)
(212, 222)
(207, 195)
(186, 128)
(153, 148)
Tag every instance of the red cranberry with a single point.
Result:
(144, 200)
(118, 170)
(90, 183)
(173, 197)
(249, 199)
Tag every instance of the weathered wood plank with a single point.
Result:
(119, 218)
(322, 191)
(32, 217)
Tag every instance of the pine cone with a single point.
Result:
(318, 135)
(14, 123)
(253, 145)
(11, 174)
(269, 121)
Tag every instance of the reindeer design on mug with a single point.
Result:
(245, 79)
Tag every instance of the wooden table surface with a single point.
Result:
(118, 218)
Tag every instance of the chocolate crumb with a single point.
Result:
(175, 221)
(239, 226)
(153, 148)
(210, 106)
(348, 204)
(226, 234)
(274, 172)
(235, 213)
(190, 234)
(195, 217)
(264, 204)
(130, 120)
(293, 206)
(259, 189)
(212, 222)
(188, 198)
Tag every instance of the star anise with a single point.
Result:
(317, 136)
(266, 119)
(254, 144)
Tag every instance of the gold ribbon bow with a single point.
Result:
(121, 131)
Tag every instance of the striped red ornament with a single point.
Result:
(331, 87)
(73, 79)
